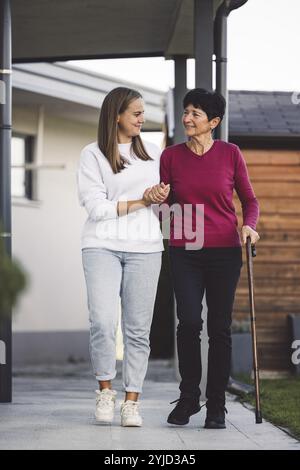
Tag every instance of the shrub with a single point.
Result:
(12, 281)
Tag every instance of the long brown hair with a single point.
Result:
(115, 103)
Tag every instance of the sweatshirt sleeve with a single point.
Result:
(92, 192)
(245, 191)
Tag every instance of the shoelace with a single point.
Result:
(130, 408)
(218, 407)
(175, 401)
(178, 400)
(104, 399)
(182, 402)
(204, 404)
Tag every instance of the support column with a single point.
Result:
(203, 42)
(5, 189)
(179, 92)
(179, 136)
(203, 50)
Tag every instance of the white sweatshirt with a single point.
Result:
(99, 191)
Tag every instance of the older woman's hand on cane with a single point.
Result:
(249, 232)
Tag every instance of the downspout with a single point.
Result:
(220, 50)
(5, 190)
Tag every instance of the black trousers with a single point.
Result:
(216, 272)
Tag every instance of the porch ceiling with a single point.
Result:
(63, 29)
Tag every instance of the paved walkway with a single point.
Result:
(53, 409)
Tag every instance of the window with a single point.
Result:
(21, 178)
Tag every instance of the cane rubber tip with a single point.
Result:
(258, 418)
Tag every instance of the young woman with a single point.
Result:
(205, 171)
(121, 248)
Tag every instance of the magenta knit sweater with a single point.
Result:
(209, 180)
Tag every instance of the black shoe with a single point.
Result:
(215, 417)
(185, 408)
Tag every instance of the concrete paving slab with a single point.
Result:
(56, 412)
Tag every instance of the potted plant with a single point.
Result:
(12, 281)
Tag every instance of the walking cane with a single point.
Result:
(251, 253)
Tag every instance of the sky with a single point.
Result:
(263, 52)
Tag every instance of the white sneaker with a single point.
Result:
(130, 415)
(105, 405)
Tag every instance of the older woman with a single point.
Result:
(205, 171)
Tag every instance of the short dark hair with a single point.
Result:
(211, 102)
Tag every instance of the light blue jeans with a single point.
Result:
(134, 277)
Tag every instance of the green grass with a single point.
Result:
(280, 402)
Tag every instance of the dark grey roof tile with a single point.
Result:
(263, 113)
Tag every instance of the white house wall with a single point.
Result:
(46, 235)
